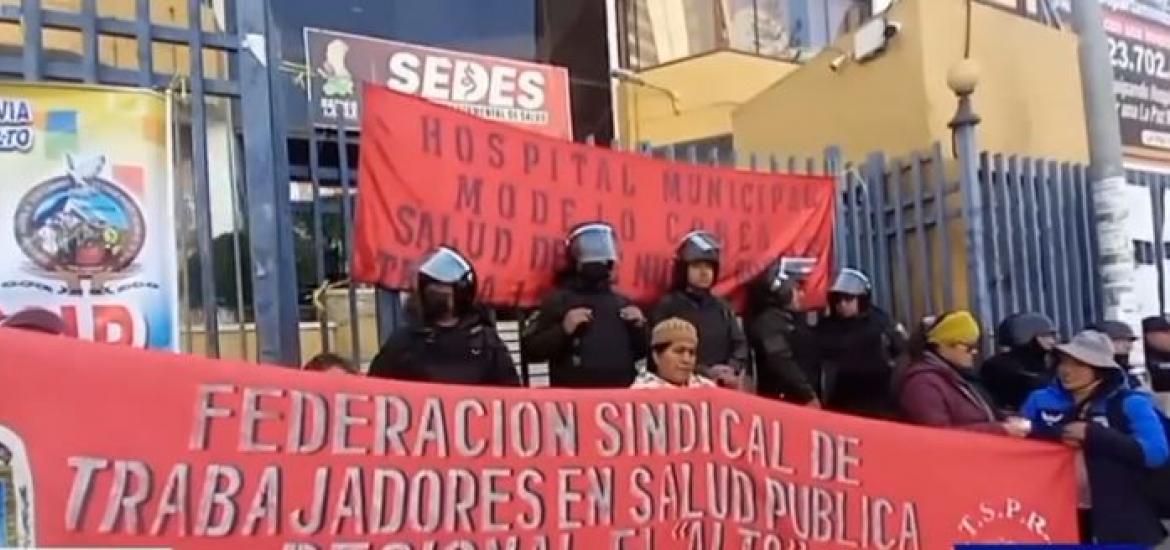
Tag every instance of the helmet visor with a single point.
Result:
(445, 266)
(699, 245)
(851, 282)
(593, 243)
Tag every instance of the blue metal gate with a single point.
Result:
(171, 52)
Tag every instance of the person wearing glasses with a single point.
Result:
(939, 387)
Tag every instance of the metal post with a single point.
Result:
(1115, 259)
(962, 79)
(274, 285)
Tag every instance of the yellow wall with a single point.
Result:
(709, 87)
(1029, 93)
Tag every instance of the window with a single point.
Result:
(660, 31)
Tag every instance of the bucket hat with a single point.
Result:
(1092, 348)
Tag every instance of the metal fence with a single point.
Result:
(216, 64)
(1041, 239)
(278, 278)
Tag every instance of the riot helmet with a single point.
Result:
(696, 247)
(592, 242)
(446, 266)
(1022, 329)
(781, 281)
(699, 246)
(851, 282)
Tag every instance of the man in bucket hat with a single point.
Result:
(1089, 406)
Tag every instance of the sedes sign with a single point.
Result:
(528, 95)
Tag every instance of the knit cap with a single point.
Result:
(674, 330)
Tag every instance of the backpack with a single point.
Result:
(1157, 488)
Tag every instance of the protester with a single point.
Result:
(938, 386)
(449, 338)
(858, 345)
(35, 320)
(590, 335)
(331, 363)
(1010, 376)
(723, 349)
(1120, 432)
(783, 343)
(673, 352)
(1156, 339)
(1123, 338)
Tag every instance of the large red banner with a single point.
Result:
(432, 175)
(114, 447)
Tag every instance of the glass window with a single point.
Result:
(661, 31)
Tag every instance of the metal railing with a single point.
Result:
(216, 64)
(902, 220)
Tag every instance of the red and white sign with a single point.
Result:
(528, 95)
(115, 447)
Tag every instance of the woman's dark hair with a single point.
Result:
(918, 343)
(325, 361)
(655, 350)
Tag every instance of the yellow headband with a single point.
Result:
(958, 327)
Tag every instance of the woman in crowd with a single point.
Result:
(673, 347)
(331, 363)
(1090, 407)
(938, 386)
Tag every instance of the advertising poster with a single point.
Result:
(236, 456)
(1139, 50)
(86, 212)
(529, 95)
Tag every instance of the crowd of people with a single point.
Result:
(855, 360)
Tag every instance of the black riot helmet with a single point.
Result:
(777, 285)
(447, 266)
(592, 242)
(852, 282)
(699, 246)
(695, 247)
(1022, 329)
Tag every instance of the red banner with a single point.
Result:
(505, 197)
(106, 446)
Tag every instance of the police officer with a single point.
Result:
(782, 341)
(723, 349)
(858, 344)
(1010, 376)
(590, 335)
(449, 339)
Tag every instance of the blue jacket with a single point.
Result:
(1118, 462)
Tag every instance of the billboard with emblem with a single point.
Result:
(87, 211)
(529, 95)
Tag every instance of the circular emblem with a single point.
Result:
(1005, 522)
(83, 225)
